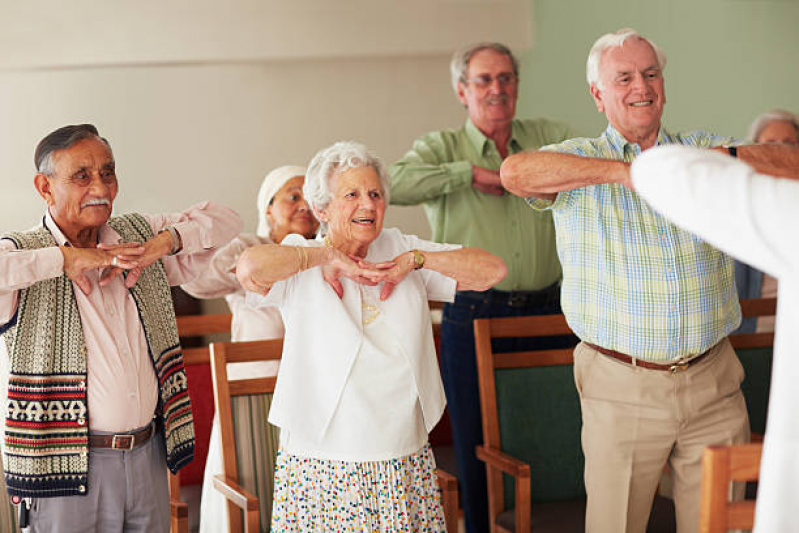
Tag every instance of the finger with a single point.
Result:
(117, 262)
(133, 277)
(337, 287)
(83, 283)
(384, 265)
(128, 247)
(388, 288)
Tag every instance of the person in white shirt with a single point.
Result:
(282, 210)
(751, 216)
(358, 388)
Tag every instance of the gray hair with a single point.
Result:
(459, 64)
(767, 118)
(61, 139)
(615, 40)
(340, 157)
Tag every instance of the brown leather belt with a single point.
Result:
(674, 368)
(125, 441)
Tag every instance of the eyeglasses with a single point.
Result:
(486, 80)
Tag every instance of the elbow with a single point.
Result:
(494, 270)
(499, 271)
(510, 174)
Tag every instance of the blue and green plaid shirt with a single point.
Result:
(632, 281)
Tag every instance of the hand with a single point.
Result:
(395, 271)
(151, 251)
(77, 261)
(339, 265)
(487, 181)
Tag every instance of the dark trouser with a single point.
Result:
(459, 373)
(128, 492)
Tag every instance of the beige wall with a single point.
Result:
(201, 98)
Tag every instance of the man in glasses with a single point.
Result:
(454, 175)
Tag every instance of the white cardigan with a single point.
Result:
(324, 334)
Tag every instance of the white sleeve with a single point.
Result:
(725, 202)
(440, 288)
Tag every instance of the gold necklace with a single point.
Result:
(369, 308)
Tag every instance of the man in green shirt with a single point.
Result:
(454, 174)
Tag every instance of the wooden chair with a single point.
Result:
(193, 357)
(241, 500)
(722, 465)
(531, 432)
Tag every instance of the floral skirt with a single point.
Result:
(319, 495)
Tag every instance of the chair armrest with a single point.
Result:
(236, 494)
(502, 461)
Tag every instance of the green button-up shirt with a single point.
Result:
(437, 173)
(633, 281)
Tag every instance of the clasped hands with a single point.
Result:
(113, 260)
(390, 273)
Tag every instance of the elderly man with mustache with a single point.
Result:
(454, 174)
(95, 366)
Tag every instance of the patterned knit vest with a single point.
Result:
(46, 439)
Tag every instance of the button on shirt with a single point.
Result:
(122, 388)
(632, 281)
(437, 173)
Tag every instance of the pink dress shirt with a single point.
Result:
(122, 388)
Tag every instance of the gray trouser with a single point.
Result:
(128, 492)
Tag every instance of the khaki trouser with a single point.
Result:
(636, 420)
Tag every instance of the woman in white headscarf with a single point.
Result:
(282, 211)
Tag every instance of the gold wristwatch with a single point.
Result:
(418, 259)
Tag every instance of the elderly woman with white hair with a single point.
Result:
(358, 389)
(282, 210)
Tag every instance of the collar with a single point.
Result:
(481, 142)
(620, 144)
(106, 235)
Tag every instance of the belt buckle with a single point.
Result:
(125, 447)
(676, 368)
(517, 300)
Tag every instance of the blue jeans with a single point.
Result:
(459, 374)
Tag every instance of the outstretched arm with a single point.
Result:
(260, 267)
(544, 174)
(774, 159)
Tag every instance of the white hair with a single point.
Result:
(767, 118)
(615, 40)
(459, 64)
(340, 157)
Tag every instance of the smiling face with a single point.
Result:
(289, 212)
(80, 193)
(631, 93)
(491, 104)
(356, 209)
(779, 132)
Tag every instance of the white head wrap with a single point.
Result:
(272, 183)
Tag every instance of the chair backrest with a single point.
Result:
(722, 465)
(755, 353)
(530, 408)
(251, 463)
(201, 326)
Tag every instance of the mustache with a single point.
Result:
(498, 99)
(96, 201)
